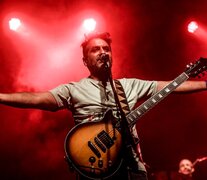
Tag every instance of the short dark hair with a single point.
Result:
(105, 36)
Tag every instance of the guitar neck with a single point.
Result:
(136, 114)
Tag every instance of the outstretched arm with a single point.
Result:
(39, 100)
(187, 86)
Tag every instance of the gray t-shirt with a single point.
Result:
(88, 98)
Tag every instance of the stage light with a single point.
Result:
(89, 24)
(14, 24)
(192, 26)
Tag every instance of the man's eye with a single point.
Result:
(107, 49)
(94, 49)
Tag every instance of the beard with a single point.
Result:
(102, 72)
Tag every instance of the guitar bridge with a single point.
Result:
(99, 144)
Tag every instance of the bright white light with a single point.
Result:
(89, 24)
(192, 26)
(14, 24)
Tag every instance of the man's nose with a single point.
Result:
(102, 50)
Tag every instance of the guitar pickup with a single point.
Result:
(94, 149)
(105, 139)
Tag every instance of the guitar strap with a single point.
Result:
(122, 97)
(125, 108)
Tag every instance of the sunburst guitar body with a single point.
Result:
(93, 149)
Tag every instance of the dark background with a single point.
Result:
(150, 41)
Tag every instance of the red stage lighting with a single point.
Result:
(192, 26)
(89, 24)
(14, 24)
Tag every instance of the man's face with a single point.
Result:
(186, 167)
(94, 49)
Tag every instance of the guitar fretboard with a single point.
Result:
(136, 114)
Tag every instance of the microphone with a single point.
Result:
(105, 59)
(199, 160)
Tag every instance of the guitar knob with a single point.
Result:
(110, 163)
(92, 159)
(92, 169)
(100, 163)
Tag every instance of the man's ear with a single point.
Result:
(84, 61)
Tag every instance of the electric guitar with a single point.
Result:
(94, 149)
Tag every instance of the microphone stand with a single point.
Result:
(199, 160)
(125, 131)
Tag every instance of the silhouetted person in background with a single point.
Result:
(186, 169)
